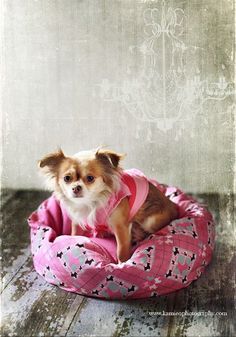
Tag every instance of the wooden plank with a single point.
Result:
(120, 318)
(15, 263)
(32, 307)
(6, 195)
(15, 231)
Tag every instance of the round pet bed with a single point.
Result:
(164, 262)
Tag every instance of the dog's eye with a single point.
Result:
(90, 178)
(67, 179)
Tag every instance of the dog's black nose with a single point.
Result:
(77, 189)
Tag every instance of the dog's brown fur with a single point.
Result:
(156, 212)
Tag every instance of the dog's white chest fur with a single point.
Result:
(82, 212)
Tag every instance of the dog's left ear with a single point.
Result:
(109, 157)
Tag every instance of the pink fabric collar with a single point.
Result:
(137, 184)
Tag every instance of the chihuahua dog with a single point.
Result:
(91, 181)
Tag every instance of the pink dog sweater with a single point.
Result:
(134, 185)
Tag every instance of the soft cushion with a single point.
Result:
(164, 262)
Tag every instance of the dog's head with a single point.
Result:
(83, 176)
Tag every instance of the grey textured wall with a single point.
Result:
(154, 79)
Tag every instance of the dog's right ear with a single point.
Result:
(50, 162)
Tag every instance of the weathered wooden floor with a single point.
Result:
(32, 307)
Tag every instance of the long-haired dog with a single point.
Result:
(87, 182)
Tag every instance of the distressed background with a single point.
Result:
(154, 79)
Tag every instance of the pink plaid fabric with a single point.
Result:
(86, 264)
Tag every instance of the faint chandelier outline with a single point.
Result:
(163, 97)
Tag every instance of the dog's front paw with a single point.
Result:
(123, 256)
(73, 229)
